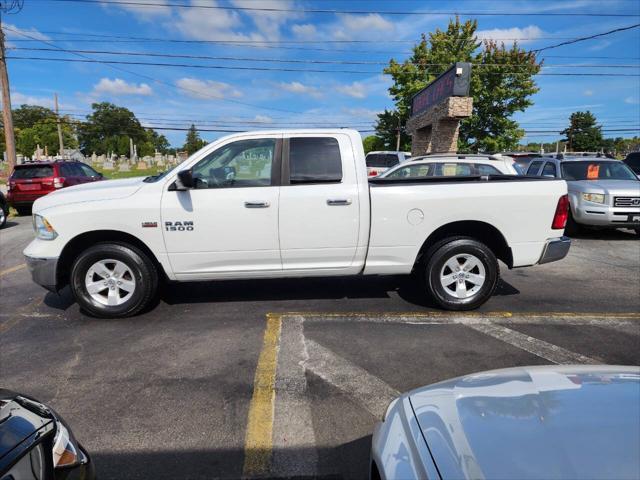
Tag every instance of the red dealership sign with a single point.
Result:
(452, 83)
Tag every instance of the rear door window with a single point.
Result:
(549, 169)
(314, 160)
(381, 160)
(68, 170)
(32, 171)
(534, 167)
(482, 169)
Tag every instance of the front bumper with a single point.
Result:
(607, 216)
(555, 249)
(44, 271)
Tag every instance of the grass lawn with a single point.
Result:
(115, 174)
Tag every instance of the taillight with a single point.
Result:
(562, 213)
(58, 182)
(373, 173)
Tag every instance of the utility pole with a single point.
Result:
(9, 136)
(398, 136)
(55, 99)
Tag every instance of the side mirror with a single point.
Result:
(184, 180)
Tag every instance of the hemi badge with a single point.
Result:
(149, 224)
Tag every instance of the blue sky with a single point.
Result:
(247, 99)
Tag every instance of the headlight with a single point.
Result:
(43, 228)
(593, 197)
(66, 452)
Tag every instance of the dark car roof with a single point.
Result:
(557, 421)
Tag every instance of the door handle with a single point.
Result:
(256, 204)
(338, 201)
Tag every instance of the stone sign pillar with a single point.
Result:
(437, 109)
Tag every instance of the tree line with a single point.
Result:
(108, 128)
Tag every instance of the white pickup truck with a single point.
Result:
(293, 203)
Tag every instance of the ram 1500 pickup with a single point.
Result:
(293, 203)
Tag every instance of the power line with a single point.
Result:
(86, 59)
(311, 61)
(281, 69)
(349, 12)
(590, 37)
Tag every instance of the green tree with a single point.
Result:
(26, 116)
(153, 141)
(109, 128)
(501, 82)
(387, 131)
(193, 142)
(372, 143)
(45, 134)
(583, 134)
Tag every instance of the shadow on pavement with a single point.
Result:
(605, 234)
(408, 288)
(10, 224)
(350, 460)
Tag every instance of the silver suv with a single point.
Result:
(603, 193)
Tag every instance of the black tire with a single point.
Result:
(142, 268)
(447, 249)
(23, 211)
(4, 214)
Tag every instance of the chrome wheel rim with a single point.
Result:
(462, 276)
(2, 215)
(110, 282)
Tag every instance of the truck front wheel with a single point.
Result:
(113, 280)
(461, 273)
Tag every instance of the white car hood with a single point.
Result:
(90, 192)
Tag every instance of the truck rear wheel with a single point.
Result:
(113, 280)
(462, 273)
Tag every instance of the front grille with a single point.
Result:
(626, 202)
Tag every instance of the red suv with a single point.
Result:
(30, 181)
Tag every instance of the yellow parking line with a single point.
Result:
(12, 269)
(259, 437)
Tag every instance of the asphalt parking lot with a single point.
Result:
(286, 378)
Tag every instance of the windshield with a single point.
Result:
(596, 170)
(32, 171)
(382, 160)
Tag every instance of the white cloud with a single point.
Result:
(601, 45)
(632, 100)
(268, 23)
(305, 31)
(362, 113)
(13, 32)
(299, 88)
(117, 86)
(263, 119)
(522, 35)
(18, 98)
(207, 89)
(206, 24)
(144, 12)
(349, 27)
(588, 93)
(355, 90)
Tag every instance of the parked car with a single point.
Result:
(379, 162)
(545, 422)
(453, 165)
(4, 210)
(36, 443)
(30, 181)
(292, 203)
(633, 162)
(523, 159)
(603, 193)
